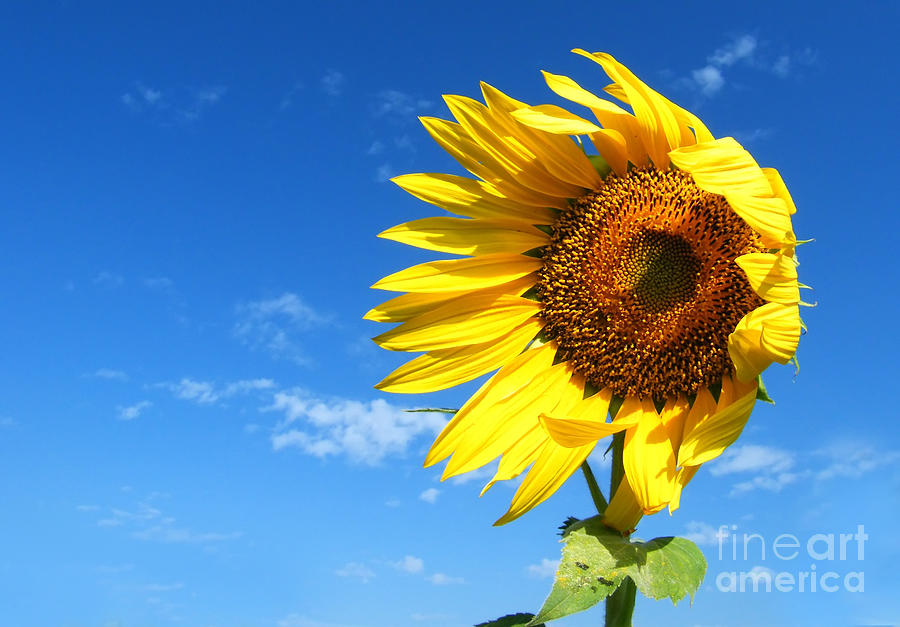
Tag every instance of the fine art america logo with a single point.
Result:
(822, 561)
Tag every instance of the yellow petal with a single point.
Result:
(471, 198)
(520, 164)
(712, 436)
(766, 334)
(552, 467)
(772, 276)
(682, 478)
(613, 148)
(494, 428)
(724, 167)
(472, 319)
(624, 510)
(454, 275)
(442, 369)
(553, 119)
(780, 189)
(661, 130)
(559, 155)
(673, 417)
(648, 457)
(611, 116)
(508, 381)
(703, 407)
(576, 431)
(406, 306)
(462, 236)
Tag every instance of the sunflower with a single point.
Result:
(657, 277)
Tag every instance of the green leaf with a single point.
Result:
(596, 560)
(510, 620)
(761, 393)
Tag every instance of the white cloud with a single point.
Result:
(782, 65)
(298, 620)
(6, 422)
(355, 570)
(395, 102)
(174, 535)
(288, 99)
(709, 79)
(159, 283)
(333, 83)
(440, 579)
(741, 47)
(133, 411)
(207, 393)
(430, 495)
(271, 324)
(108, 279)
(87, 508)
(162, 587)
(410, 564)
(364, 432)
(383, 173)
(704, 534)
(752, 458)
(375, 149)
(109, 373)
(852, 460)
(545, 569)
(485, 473)
(772, 483)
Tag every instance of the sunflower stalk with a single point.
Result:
(620, 604)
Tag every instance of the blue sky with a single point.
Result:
(190, 194)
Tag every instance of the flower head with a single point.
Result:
(657, 275)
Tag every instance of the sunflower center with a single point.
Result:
(659, 268)
(639, 286)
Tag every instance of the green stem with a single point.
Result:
(620, 604)
(599, 501)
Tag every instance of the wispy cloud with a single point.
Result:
(710, 78)
(108, 279)
(159, 283)
(172, 105)
(287, 100)
(852, 460)
(207, 393)
(430, 495)
(333, 82)
(364, 432)
(131, 412)
(745, 50)
(441, 579)
(410, 564)
(704, 534)
(355, 570)
(545, 569)
(272, 324)
(752, 458)
(384, 173)
(398, 103)
(109, 373)
(147, 522)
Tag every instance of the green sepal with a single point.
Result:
(597, 559)
(510, 620)
(600, 165)
(432, 410)
(568, 522)
(761, 393)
